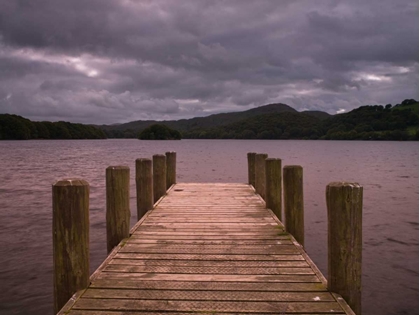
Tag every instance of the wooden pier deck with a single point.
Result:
(207, 249)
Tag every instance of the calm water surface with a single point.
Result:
(387, 170)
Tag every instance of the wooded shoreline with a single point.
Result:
(274, 121)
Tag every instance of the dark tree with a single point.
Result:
(159, 132)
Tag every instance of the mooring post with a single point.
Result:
(273, 185)
(159, 176)
(251, 168)
(144, 186)
(260, 173)
(70, 239)
(170, 169)
(117, 205)
(293, 201)
(344, 204)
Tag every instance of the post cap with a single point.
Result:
(118, 167)
(292, 166)
(71, 182)
(344, 184)
(143, 160)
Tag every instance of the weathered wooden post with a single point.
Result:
(159, 176)
(251, 168)
(273, 184)
(260, 173)
(144, 186)
(344, 203)
(117, 205)
(70, 239)
(170, 169)
(293, 201)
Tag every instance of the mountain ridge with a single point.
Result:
(211, 121)
(280, 121)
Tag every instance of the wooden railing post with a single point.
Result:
(117, 205)
(144, 186)
(260, 173)
(273, 186)
(170, 169)
(293, 201)
(159, 176)
(344, 203)
(251, 168)
(70, 239)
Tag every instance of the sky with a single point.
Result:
(115, 61)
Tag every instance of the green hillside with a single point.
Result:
(287, 125)
(370, 122)
(132, 129)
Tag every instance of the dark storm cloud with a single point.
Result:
(106, 61)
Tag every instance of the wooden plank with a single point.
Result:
(215, 237)
(220, 257)
(146, 284)
(215, 225)
(206, 306)
(210, 270)
(90, 312)
(211, 263)
(217, 247)
(210, 242)
(209, 277)
(207, 229)
(210, 233)
(238, 250)
(208, 295)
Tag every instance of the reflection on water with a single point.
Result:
(387, 170)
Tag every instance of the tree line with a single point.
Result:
(370, 122)
(375, 122)
(14, 127)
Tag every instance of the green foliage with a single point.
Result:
(409, 104)
(279, 121)
(364, 123)
(374, 122)
(120, 134)
(13, 127)
(159, 132)
(287, 125)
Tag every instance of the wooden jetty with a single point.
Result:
(207, 248)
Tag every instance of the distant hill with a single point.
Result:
(370, 122)
(280, 121)
(212, 121)
(283, 125)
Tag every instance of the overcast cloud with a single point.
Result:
(110, 61)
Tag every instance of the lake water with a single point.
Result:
(388, 171)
